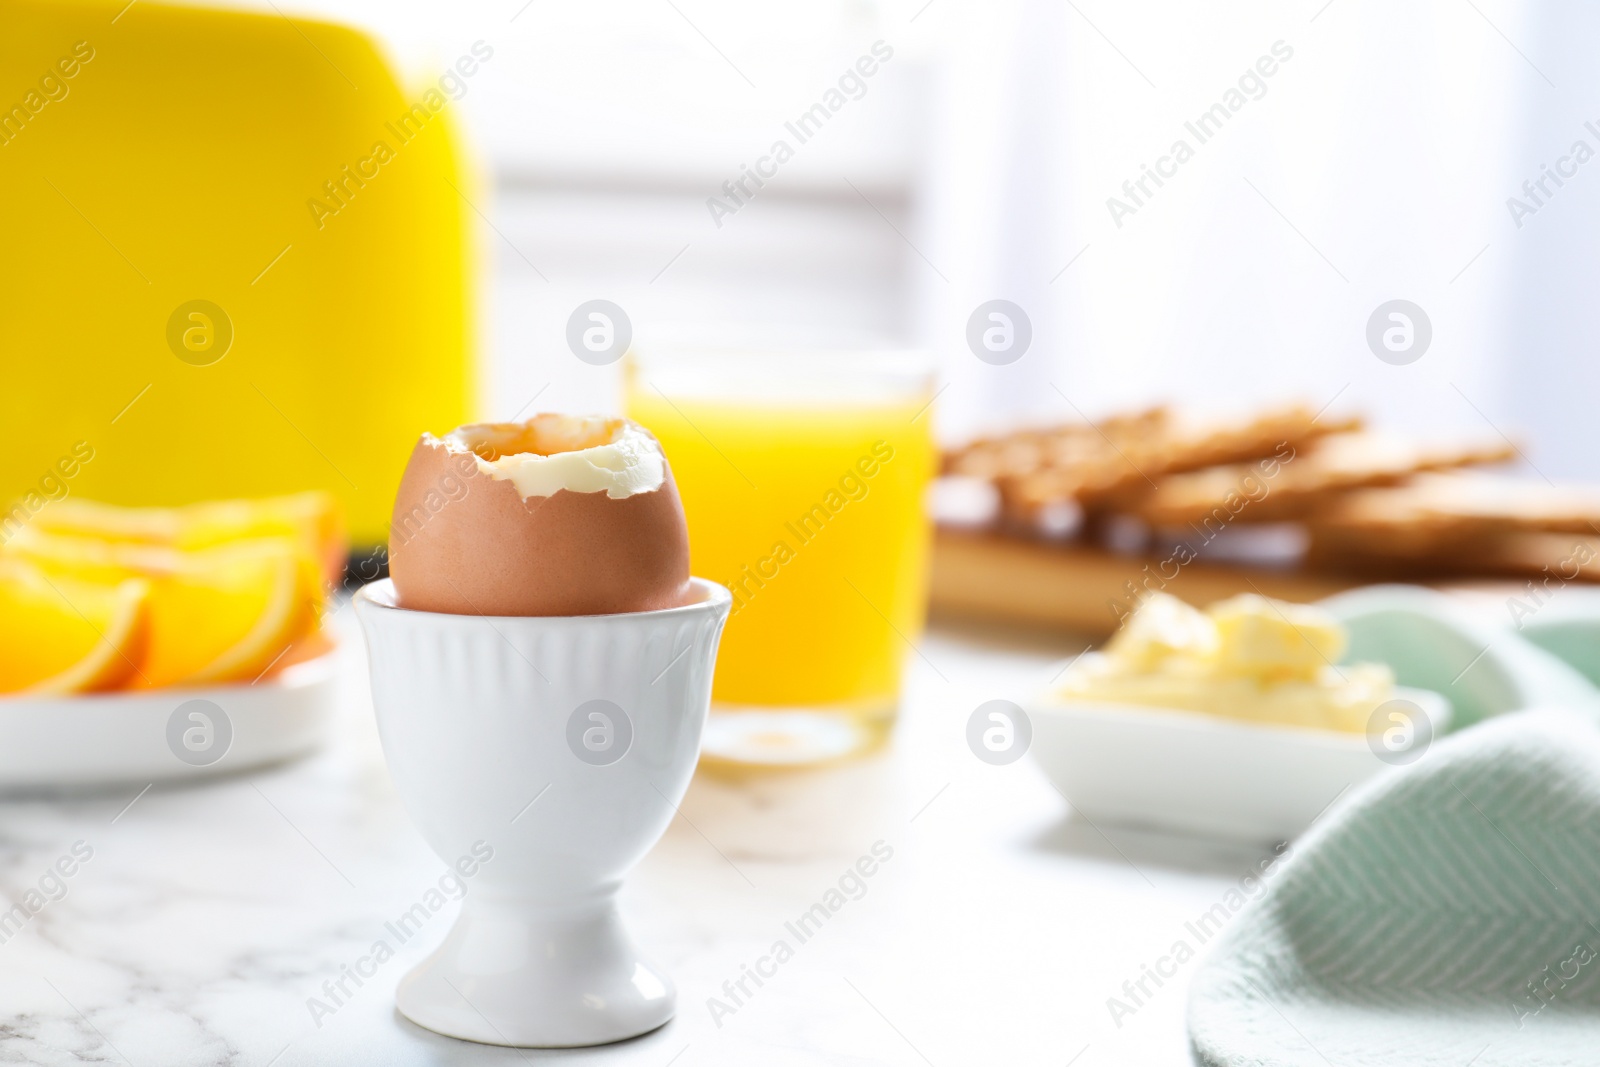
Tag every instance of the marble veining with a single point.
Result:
(209, 915)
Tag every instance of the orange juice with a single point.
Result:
(812, 513)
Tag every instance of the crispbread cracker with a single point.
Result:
(1533, 553)
(1031, 451)
(1100, 467)
(1440, 507)
(1307, 481)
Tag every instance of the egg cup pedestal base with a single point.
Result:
(762, 738)
(539, 975)
(540, 757)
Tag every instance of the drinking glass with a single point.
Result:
(803, 474)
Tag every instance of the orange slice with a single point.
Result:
(216, 614)
(59, 635)
(89, 559)
(227, 613)
(312, 518)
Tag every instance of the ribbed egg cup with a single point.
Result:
(561, 746)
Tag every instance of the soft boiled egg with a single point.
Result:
(556, 515)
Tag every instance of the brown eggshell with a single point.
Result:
(464, 543)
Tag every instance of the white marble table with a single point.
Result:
(208, 916)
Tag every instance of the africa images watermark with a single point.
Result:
(52, 485)
(451, 886)
(1543, 988)
(451, 487)
(852, 85)
(51, 887)
(1202, 128)
(52, 88)
(1136, 992)
(1254, 486)
(352, 178)
(853, 485)
(1537, 191)
(1535, 596)
(851, 885)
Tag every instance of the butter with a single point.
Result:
(1273, 641)
(1244, 658)
(1164, 629)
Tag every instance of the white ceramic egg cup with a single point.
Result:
(491, 737)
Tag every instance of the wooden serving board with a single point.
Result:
(1074, 587)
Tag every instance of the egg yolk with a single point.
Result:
(542, 435)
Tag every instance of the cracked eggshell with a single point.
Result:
(465, 543)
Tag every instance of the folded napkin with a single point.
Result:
(1445, 915)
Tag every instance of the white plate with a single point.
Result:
(123, 737)
(1197, 773)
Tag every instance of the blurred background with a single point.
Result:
(1374, 164)
(229, 313)
(999, 154)
(1216, 211)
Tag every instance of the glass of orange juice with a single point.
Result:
(803, 475)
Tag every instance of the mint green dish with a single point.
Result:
(1564, 622)
(1482, 669)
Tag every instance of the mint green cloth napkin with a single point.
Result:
(1444, 914)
